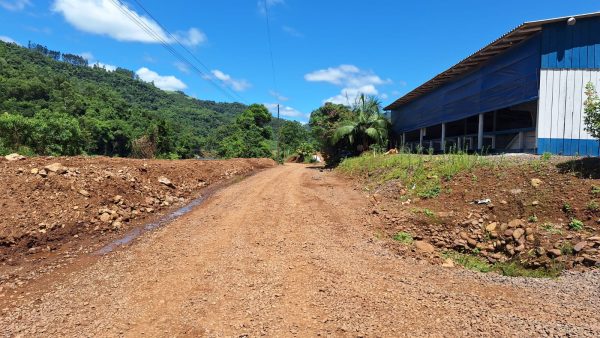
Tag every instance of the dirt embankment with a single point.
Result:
(48, 203)
(539, 214)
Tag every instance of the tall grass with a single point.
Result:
(421, 174)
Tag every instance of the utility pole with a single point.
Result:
(278, 133)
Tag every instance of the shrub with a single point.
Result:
(576, 225)
(593, 206)
(403, 237)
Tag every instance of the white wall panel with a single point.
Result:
(561, 109)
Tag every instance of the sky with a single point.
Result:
(322, 50)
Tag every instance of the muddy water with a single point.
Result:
(168, 218)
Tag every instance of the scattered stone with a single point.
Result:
(515, 223)
(14, 157)
(43, 173)
(424, 247)
(535, 203)
(580, 246)
(84, 193)
(165, 181)
(514, 192)
(105, 217)
(56, 168)
(491, 227)
(35, 171)
(448, 263)
(530, 238)
(553, 253)
(536, 182)
(117, 199)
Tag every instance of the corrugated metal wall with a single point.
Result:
(571, 47)
(561, 112)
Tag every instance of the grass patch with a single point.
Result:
(421, 174)
(469, 261)
(551, 228)
(576, 224)
(510, 269)
(515, 269)
(593, 206)
(403, 237)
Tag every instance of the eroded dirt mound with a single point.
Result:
(538, 214)
(46, 202)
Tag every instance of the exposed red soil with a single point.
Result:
(87, 201)
(454, 220)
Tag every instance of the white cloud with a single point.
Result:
(238, 85)
(103, 17)
(193, 37)
(286, 111)
(278, 96)
(182, 66)
(292, 31)
(87, 55)
(353, 80)
(107, 67)
(168, 82)
(15, 5)
(7, 39)
(92, 62)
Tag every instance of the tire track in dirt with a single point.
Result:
(291, 252)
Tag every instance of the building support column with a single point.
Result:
(521, 141)
(480, 133)
(403, 140)
(443, 143)
(421, 135)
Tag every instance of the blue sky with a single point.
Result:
(323, 50)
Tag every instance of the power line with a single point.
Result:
(265, 3)
(153, 34)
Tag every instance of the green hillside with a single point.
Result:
(53, 103)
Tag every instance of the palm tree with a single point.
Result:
(367, 126)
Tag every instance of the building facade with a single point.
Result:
(522, 93)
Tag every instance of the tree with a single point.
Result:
(323, 123)
(367, 126)
(248, 136)
(291, 135)
(592, 111)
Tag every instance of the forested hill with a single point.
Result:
(54, 103)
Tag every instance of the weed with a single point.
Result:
(551, 229)
(403, 237)
(428, 212)
(468, 261)
(432, 192)
(566, 248)
(510, 269)
(595, 190)
(567, 208)
(593, 206)
(516, 269)
(424, 173)
(532, 219)
(546, 156)
(576, 224)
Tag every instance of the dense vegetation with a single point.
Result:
(592, 111)
(54, 103)
(342, 131)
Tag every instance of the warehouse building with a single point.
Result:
(522, 93)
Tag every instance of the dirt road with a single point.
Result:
(291, 251)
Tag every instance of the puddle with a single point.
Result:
(137, 232)
(168, 218)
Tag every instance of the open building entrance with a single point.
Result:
(511, 129)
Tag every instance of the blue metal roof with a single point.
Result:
(477, 59)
